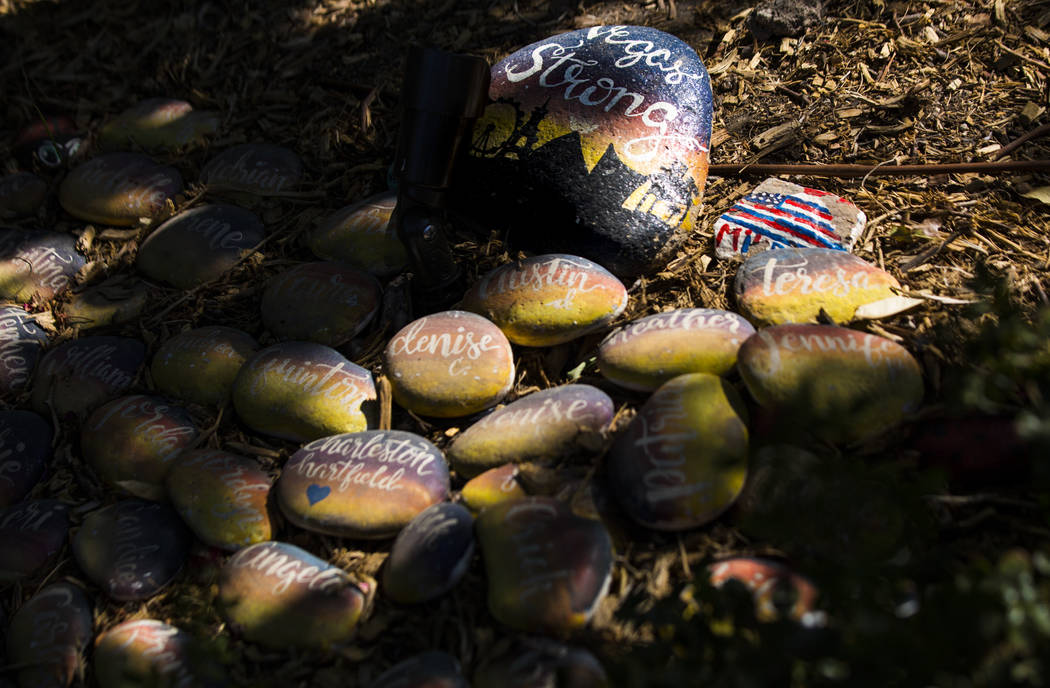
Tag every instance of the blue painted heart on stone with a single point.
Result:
(316, 493)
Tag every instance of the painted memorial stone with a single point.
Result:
(131, 442)
(132, 549)
(222, 497)
(79, 375)
(262, 169)
(683, 459)
(494, 486)
(157, 124)
(543, 427)
(48, 143)
(430, 555)
(21, 341)
(25, 449)
(48, 635)
(841, 385)
(779, 592)
(532, 662)
(430, 669)
(647, 352)
(118, 189)
(37, 264)
(200, 365)
(118, 300)
(362, 484)
(779, 214)
(547, 568)
(301, 391)
(449, 364)
(31, 534)
(146, 653)
(324, 302)
(21, 193)
(360, 235)
(278, 595)
(199, 245)
(596, 143)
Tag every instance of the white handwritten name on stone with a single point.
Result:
(362, 451)
(287, 566)
(459, 348)
(681, 319)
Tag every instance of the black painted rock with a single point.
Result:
(430, 555)
(40, 264)
(360, 235)
(31, 534)
(200, 365)
(199, 245)
(48, 143)
(21, 341)
(119, 189)
(431, 669)
(79, 375)
(257, 168)
(21, 193)
(146, 653)
(537, 662)
(118, 300)
(132, 549)
(596, 144)
(157, 124)
(25, 449)
(48, 636)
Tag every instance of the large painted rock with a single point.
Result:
(49, 143)
(449, 364)
(157, 124)
(778, 591)
(839, 384)
(21, 342)
(131, 441)
(596, 144)
(547, 568)
(37, 264)
(222, 497)
(261, 169)
(79, 375)
(645, 353)
(132, 549)
(360, 235)
(430, 669)
(544, 426)
(533, 662)
(683, 459)
(199, 245)
(494, 486)
(362, 484)
(278, 595)
(325, 302)
(200, 365)
(146, 653)
(21, 193)
(118, 300)
(31, 534)
(49, 635)
(301, 391)
(430, 555)
(25, 449)
(118, 189)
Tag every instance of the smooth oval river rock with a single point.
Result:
(430, 555)
(48, 636)
(360, 235)
(262, 169)
(21, 342)
(25, 449)
(80, 374)
(37, 264)
(494, 486)
(21, 193)
(157, 124)
(200, 365)
(117, 300)
(31, 534)
(147, 653)
(118, 189)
